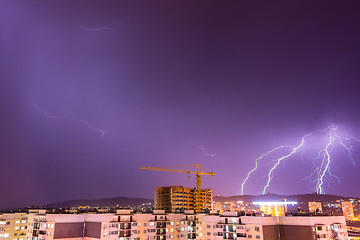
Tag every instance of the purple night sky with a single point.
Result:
(167, 80)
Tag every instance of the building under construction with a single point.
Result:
(179, 198)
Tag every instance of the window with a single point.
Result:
(249, 236)
(208, 233)
(257, 229)
(208, 226)
(257, 237)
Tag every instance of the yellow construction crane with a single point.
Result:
(199, 171)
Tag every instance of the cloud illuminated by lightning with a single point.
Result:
(67, 117)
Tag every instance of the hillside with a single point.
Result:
(103, 202)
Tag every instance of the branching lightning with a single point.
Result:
(117, 25)
(348, 149)
(100, 28)
(102, 132)
(321, 170)
(324, 165)
(212, 155)
(256, 165)
(270, 175)
(202, 148)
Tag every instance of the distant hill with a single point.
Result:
(271, 197)
(125, 201)
(103, 202)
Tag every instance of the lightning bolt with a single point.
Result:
(202, 148)
(270, 175)
(212, 155)
(324, 156)
(348, 149)
(99, 28)
(117, 25)
(66, 117)
(256, 165)
(348, 138)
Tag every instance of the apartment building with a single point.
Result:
(272, 209)
(315, 207)
(13, 226)
(348, 210)
(126, 225)
(176, 198)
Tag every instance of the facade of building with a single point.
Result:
(13, 226)
(177, 198)
(315, 207)
(348, 210)
(272, 209)
(125, 225)
(218, 206)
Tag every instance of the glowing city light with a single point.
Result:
(275, 203)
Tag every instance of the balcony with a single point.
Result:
(124, 226)
(161, 232)
(192, 236)
(126, 233)
(161, 225)
(229, 228)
